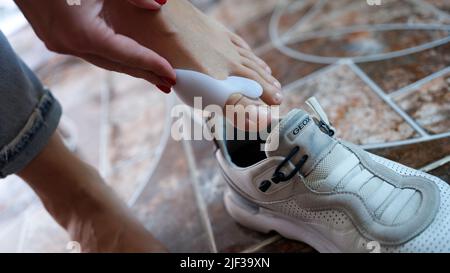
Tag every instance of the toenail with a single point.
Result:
(161, 2)
(278, 97)
(277, 84)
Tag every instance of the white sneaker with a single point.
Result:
(331, 194)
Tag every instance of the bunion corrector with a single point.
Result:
(191, 84)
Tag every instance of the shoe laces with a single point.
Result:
(320, 117)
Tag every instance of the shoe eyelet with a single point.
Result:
(264, 185)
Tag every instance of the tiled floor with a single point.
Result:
(384, 84)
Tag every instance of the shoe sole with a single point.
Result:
(265, 221)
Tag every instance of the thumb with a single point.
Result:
(148, 4)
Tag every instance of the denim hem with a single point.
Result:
(32, 138)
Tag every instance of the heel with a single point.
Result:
(248, 216)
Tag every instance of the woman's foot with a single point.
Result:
(190, 40)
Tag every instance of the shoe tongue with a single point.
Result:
(298, 128)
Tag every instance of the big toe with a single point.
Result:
(248, 114)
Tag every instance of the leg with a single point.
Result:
(72, 191)
(79, 200)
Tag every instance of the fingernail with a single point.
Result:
(165, 89)
(169, 81)
(161, 2)
(278, 97)
(268, 69)
(277, 84)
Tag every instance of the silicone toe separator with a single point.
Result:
(191, 84)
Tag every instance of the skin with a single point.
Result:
(128, 38)
(81, 31)
(190, 40)
(123, 36)
(81, 202)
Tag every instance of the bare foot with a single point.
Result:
(190, 40)
(80, 201)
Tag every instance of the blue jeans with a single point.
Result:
(29, 114)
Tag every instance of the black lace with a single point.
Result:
(279, 176)
(325, 128)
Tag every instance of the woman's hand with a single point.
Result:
(81, 31)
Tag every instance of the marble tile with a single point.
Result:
(72, 80)
(137, 118)
(77, 86)
(167, 205)
(42, 234)
(15, 197)
(342, 13)
(205, 5)
(30, 48)
(287, 69)
(234, 13)
(87, 121)
(304, 16)
(229, 236)
(430, 105)
(442, 5)
(339, 14)
(295, 12)
(256, 32)
(365, 43)
(442, 172)
(395, 73)
(11, 234)
(417, 155)
(127, 177)
(16, 200)
(359, 115)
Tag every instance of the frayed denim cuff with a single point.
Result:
(33, 137)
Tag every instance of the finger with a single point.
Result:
(148, 4)
(137, 73)
(121, 49)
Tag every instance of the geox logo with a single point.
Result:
(301, 125)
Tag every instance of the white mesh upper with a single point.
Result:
(389, 204)
(436, 238)
(336, 218)
(323, 169)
